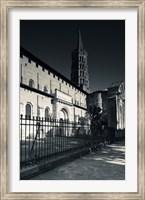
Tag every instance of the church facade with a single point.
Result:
(112, 102)
(44, 92)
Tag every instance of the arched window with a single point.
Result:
(47, 114)
(28, 110)
(45, 89)
(31, 83)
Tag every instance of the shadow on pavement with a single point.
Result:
(105, 164)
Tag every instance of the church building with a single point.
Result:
(44, 92)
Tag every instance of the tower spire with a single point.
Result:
(80, 43)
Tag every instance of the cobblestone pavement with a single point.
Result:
(105, 164)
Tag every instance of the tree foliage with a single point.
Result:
(98, 119)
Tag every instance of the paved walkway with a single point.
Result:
(105, 164)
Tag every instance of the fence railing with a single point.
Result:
(44, 139)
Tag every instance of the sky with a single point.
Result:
(53, 41)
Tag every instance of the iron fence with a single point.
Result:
(44, 139)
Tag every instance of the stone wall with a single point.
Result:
(70, 99)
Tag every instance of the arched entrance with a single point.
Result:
(63, 120)
(63, 114)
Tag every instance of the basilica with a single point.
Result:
(44, 92)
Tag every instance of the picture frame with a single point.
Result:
(6, 5)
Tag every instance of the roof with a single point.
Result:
(98, 91)
(46, 66)
(116, 84)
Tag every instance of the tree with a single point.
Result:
(98, 119)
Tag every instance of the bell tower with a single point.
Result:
(79, 68)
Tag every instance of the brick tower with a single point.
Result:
(79, 68)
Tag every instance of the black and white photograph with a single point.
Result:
(72, 100)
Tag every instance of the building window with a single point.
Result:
(28, 110)
(31, 83)
(47, 112)
(45, 89)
